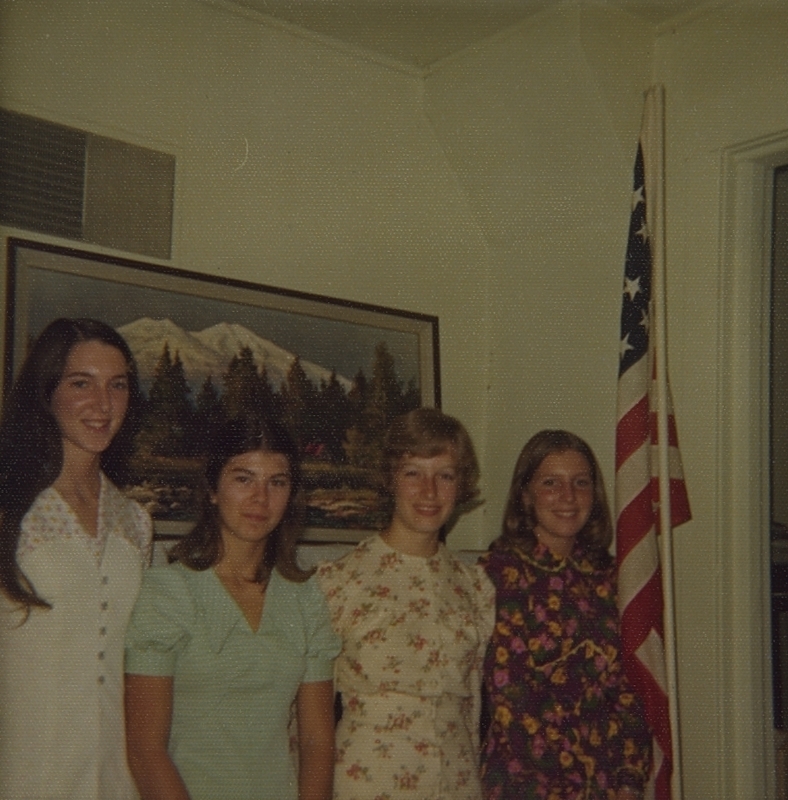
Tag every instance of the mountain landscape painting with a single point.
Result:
(333, 372)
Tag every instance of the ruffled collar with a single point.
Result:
(544, 559)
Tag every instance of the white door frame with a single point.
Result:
(743, 511)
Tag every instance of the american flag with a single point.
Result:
(637, 478)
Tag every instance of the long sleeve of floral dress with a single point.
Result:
(564, 722)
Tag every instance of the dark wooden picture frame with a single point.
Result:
(332, 369)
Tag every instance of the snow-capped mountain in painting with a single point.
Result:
(209, 352)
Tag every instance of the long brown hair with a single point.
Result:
(31, 444)
(201, 548)
(519, 522)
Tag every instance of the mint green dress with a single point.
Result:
(232, 686)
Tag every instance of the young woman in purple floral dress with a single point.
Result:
(564, 722)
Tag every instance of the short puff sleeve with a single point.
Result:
(322, 644)
(160, 623)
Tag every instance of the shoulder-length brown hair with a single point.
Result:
(519, 522)
(202, 548)
(428, 432)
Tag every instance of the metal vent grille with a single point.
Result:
(42, 175)
(73, 184)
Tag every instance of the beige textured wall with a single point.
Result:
(541, 128)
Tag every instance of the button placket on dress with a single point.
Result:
(102, 630)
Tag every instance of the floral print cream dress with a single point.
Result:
(414, 633)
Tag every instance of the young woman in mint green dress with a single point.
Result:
(223, 640)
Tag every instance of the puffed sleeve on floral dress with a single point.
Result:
(414, 633)
(564, 722)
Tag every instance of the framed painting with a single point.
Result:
(207, 348)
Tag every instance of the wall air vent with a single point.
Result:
(42, 173)
(76, 185)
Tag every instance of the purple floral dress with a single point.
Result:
(563, 721)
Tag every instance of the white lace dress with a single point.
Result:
(61, 671)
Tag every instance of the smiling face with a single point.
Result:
(561, 496)
(425, 493)
(90, 401)
(251, 496)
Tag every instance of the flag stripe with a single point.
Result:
(638, 626)
(642, 562)
(639, 519)
(629, 434)
(630, 386)
(652, 694)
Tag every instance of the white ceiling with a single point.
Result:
(418, 33)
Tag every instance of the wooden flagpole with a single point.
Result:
(655, 211)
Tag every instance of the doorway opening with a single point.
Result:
(778, 494)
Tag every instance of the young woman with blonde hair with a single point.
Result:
(414, 622)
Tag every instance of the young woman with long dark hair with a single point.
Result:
(72, 552)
